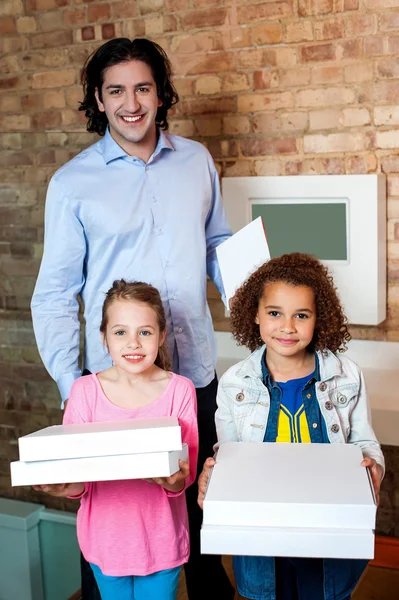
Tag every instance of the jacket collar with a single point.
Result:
(112, 151)
(329, 365)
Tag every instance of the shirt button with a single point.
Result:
(328, 405)
(160, 232)
(323, 386)
(308, 396)
(174, 297)
(335, 428)
(314, 425)
(167, 264)
(240, 396)
(180, 330)
(154, 199)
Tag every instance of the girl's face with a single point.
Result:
(132, 335)
(286, 317)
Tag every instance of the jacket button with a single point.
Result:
(341, 398)
(323, 386)
(335, 428)
(314, 425)
(240, 396)
(308, 396)
(328, 405)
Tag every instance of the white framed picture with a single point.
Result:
(340, 219)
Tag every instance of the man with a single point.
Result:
(142, 205)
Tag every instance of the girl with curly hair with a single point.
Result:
(295, 387)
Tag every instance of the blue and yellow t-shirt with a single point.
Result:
(292, 422)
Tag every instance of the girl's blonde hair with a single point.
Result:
(140, 292)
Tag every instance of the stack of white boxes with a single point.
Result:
(84, 452)
(303, 500)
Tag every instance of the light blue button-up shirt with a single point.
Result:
(110, 216)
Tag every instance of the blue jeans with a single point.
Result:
(157, 586)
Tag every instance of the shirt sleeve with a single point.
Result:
(224, 419)
(187, 417)
(217, 230)
(361, 429)
(55, 308)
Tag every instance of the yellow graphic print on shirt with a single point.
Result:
(292, 428)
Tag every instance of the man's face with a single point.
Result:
(130, 101)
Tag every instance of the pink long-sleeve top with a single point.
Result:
(134, 527)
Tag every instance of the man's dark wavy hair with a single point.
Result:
(121, 50)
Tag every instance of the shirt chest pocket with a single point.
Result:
(344, 396)
(243, 400)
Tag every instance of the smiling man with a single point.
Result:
(139, 204)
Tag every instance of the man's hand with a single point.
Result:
(376, 473)
(61, 490)
(203, 480)
(174, 483)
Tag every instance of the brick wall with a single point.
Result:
(272, 88)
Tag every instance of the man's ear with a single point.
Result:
(99, 103)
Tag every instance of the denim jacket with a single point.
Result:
(243, 416)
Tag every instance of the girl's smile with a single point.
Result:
(286, 317)
(133, 337)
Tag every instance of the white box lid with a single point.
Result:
(290, 485)
(98, 468)
(109, 438)
(288, 541)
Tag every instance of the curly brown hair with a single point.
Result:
(297, 269)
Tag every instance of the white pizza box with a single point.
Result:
(109, 438)
(98, 468)
(290, 485)
(287, 541)
(241, 255)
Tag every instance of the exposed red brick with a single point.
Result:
(306, 8)
(318, 53)
(374, 46)
(349, 49)
(88, 33)
(270, 146)
(8, 83)
(108, 31)
(351, 4)
(51, 39)
(330, 29)
(14, 159)
(223, 149)
(98, 12)
(270, 10)
(265, 79)
(268, 33)
(202, 106)
(32, 102)
(75, 16)
(196, 19)
(46, 120)
(123, 10)
(7, 25)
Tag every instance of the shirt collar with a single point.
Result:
(268, 380)
(112, 151)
